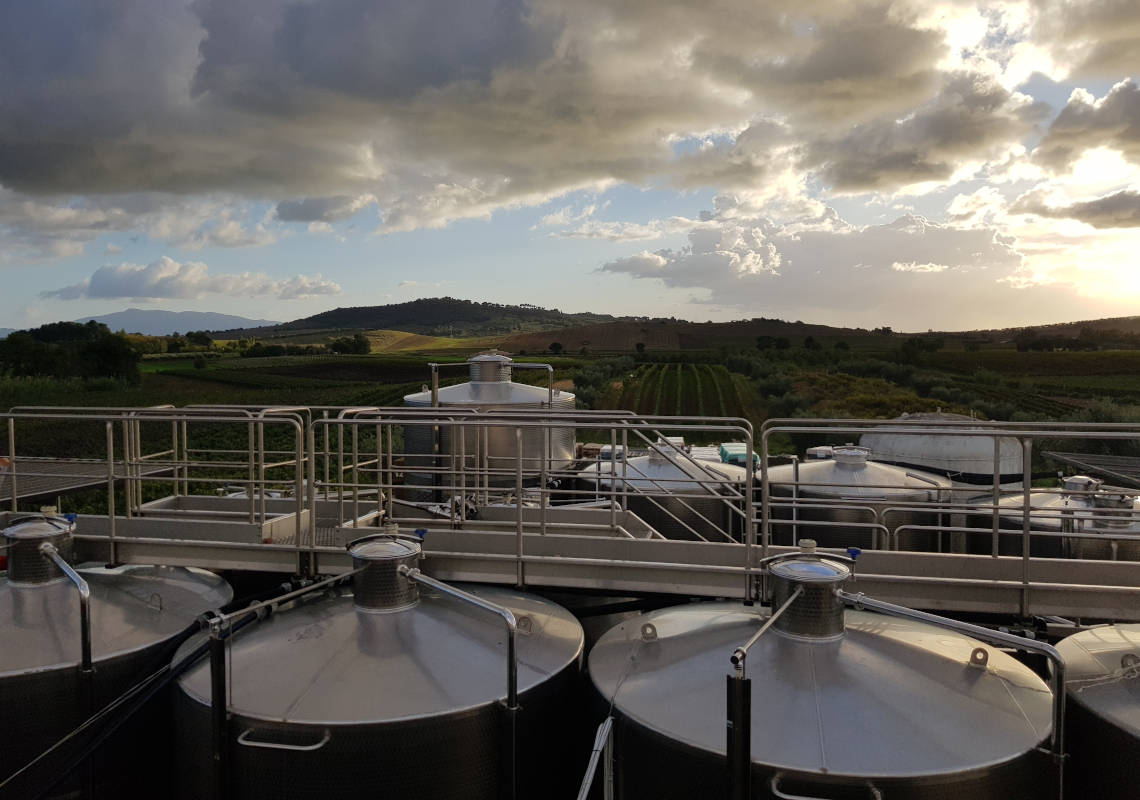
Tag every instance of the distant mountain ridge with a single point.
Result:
(154, 322)
(438, 316)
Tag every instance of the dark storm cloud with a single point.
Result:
(446, 109)
(1118, 210)
(1100, 38)
(970, 118)
(259, 50)
(891, 67)
(1112, 121)
(321, 209)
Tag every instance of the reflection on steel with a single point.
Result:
(977, 737)
(1057, 678)
(412, 696)
(60, 663)
(502, 612)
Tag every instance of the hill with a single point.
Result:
(1125, 325)
(436, 316)
(162, 323)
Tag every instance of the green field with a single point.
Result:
(691, 390)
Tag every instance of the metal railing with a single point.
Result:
(503, 502)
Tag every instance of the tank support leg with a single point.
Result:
(218, 711)
(510, 751)
(739, 706)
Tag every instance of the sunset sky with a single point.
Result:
(946, 165)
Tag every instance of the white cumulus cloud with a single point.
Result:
(167, 279)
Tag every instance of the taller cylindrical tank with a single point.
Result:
(1102, 721)
(492, 449)
(1092, 513)
(677, 496)
(840, 489)
(391, 690)
(969, 461)
(135, 614)
(843, 703)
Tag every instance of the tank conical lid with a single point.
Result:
(657, 475)
(1100, 508)
(945, 451)
(1103, 673)
(131, 608)
(890, 698)
(851, 475)
(492, 367)
(491, 357)
(332, 663)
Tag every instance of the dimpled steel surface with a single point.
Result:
(407, 701)
(26, 563)
(891, 701)
(818, 611)
(1103, 724)
(381, 586)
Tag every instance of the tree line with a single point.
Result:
(70, 350)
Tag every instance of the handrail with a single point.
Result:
(740, 654)
(414, 574)
(774, 786)
(51, 553)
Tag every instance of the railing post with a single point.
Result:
(12, 464)
(311, 473)
(391, 471)
(251, 483)
(520, 574)
(126, 466)
(110, 429)
(1027, 486)
(995, 549)
(186, 457)
(613, 478)
(355, 471)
